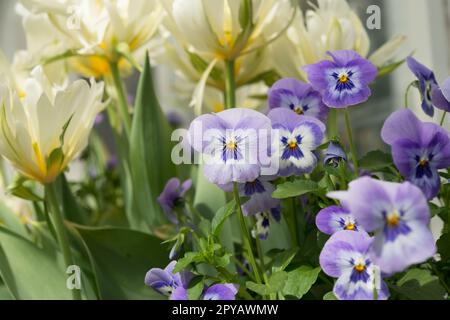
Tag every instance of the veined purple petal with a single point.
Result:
(338, 252)
(334, 219)
(445, 88)
(179, 294)
(221, 292)
(407, 249)
(401, 124)
(438, 99)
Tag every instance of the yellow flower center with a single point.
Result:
(292, 144)
(423, 162)
(360, 267)
(393, 219)
(232, 145)
(298, 110)
(350, 226)
(343, 78)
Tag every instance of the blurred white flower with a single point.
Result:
(95, 29)
(225, 29)
(331, 26)
(43, 127)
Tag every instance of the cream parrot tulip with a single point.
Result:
(225, 29)
(96, 30)
(44, 127)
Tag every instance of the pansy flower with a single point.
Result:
(346, 256)
(233, 143)
(262, 225)
(165, 282)
(344, 81)
(440, 96)
(299, 138)
(419, 149)
(334, 154)
(426, 82)
(172, 197)
(398, 215)
(299, 97)
(334, 219)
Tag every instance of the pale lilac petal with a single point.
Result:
(401, 124)
(179, 294)
(342, 244)
(334, 219)
(438, 99)
(407, 249)
(221, 292)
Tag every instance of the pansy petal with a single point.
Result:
(344, 57)
(366, 199)
(438, 99)
(401, 124)
(341, 245)
(179, 294)
(407, 249)
(221, 292)
(334, 219)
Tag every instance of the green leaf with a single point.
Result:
(385, 70)
(420, 284)
(300, 281)
(20, 190)
(221, 216)
(71, 209)
(283, 259)
(120, 259)
(275, 284)
(150, 154)
(443, 245)
(188, 258)
(11, 221)
(195, 289)
(376, 160)
(29, 272)
(329, 296)
(201, 65)
(295, 189)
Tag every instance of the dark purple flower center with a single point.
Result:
(299, 108)
(250, 188)
(292, 148)
(395, 226)
(423, 168)
(344, 81)
(359, 272)
(231, 150)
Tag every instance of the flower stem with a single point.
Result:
(58, 222)
(332, 124)
(246, 235)
(230, 85)
(121, 96)
(407, 94)
(262, 263)
(350, 140)
(443, 118)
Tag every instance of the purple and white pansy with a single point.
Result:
(333, 219)
(399, 217)
(419, 149)
(344, 81)
(233, 142)
(427, 81)
(165, 282)
(346, 256)
(299, 137)
(299, 97)
(172, 197)
(175, 286)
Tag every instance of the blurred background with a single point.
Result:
(425, 23)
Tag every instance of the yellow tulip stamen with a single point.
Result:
(40, 159)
